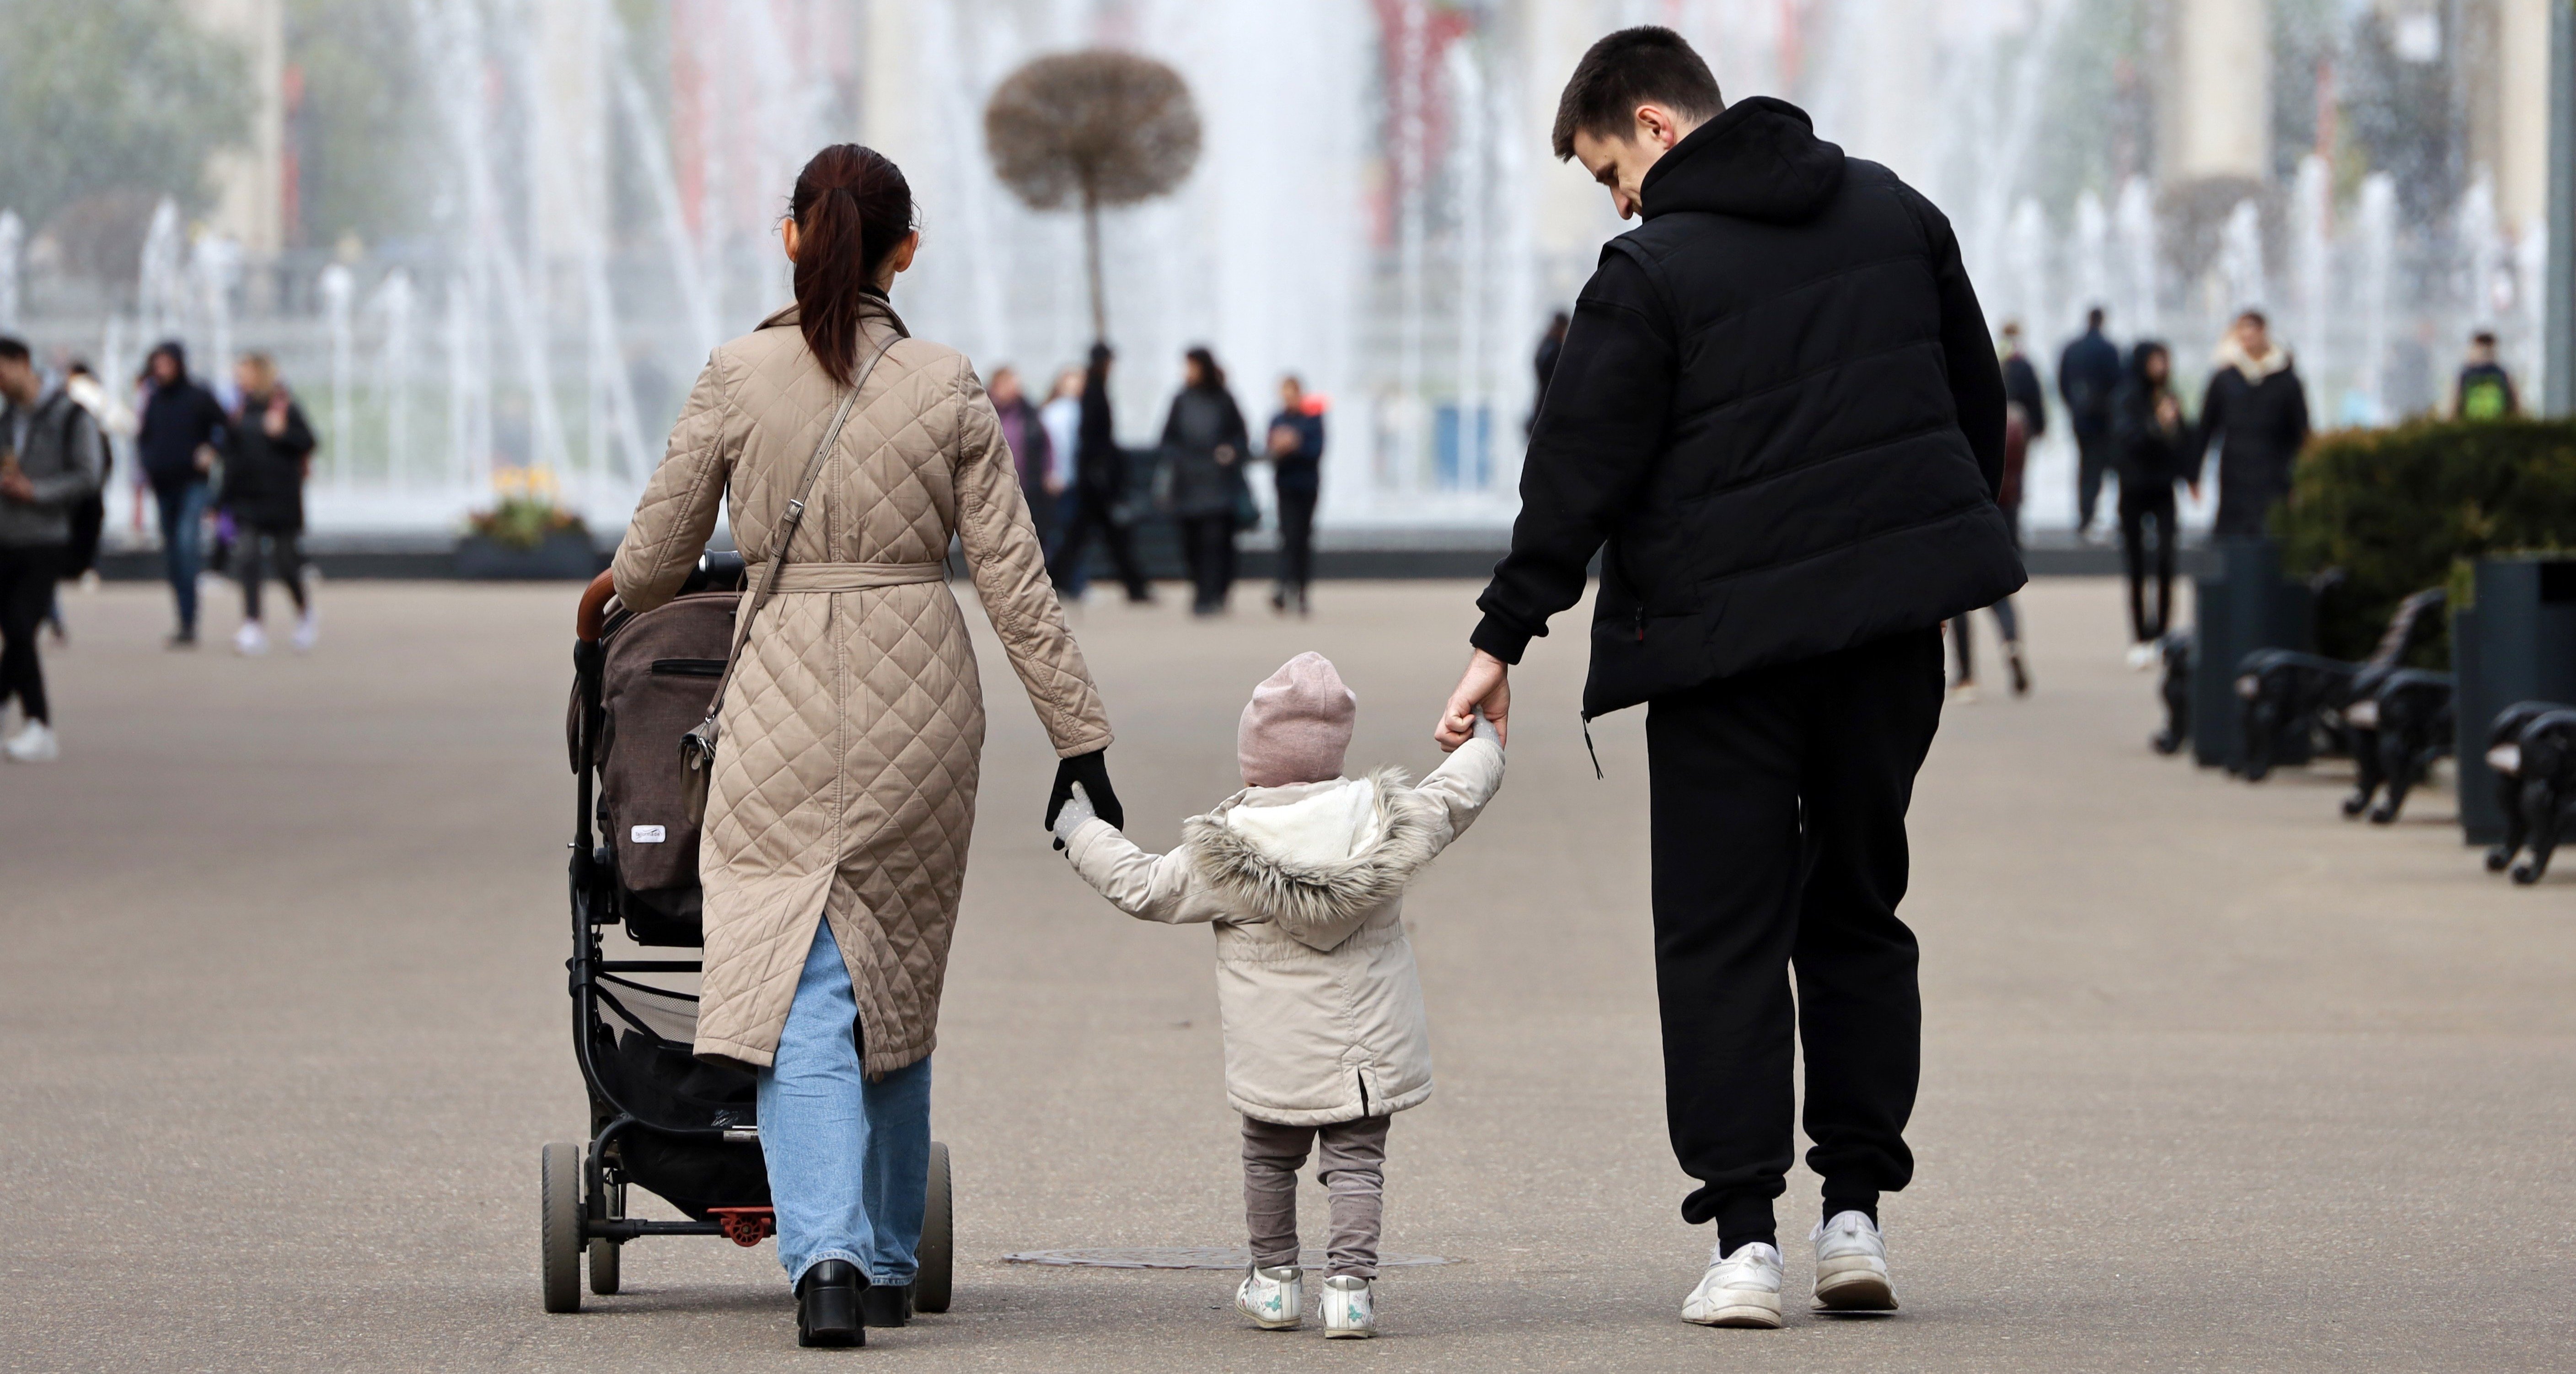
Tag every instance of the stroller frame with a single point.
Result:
(582, 1196)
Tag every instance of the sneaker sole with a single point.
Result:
(1332, 1335)
(1741, 1315)
(1854, 1290)
(1290, 1324)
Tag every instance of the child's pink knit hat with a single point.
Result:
(1297, 726)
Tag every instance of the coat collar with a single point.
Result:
(871, 306)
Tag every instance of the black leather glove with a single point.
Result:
(1092, 771)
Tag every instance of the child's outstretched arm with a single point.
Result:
(1468, 779)
(1149, 887)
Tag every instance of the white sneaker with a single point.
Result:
(308, 632)
(2142, 656)
(1742, 1289)
(34, 743)
(1275, 1299)
(1963, 694)
(250, 640)
(1349, 1310)
(1851, 1265)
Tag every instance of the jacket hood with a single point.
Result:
(1759, 159)
(2256, 367)
(1316, 855)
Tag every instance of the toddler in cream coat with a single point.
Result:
(1302, 875)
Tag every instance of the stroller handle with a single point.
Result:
(594, 607)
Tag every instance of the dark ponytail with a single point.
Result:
(852, 207)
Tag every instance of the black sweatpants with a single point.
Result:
(1296, 541)
(1091, 515)
(1207, 542)
(2137, 509)
(2093, 454)
(1779, 844)
(287, 553)
(27, 577)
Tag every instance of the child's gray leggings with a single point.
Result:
(1351, 1164)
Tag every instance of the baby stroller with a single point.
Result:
(660, 1120)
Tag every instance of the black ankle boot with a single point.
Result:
(886, 1304)
(827, 1304)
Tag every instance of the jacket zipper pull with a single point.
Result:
(1587, 748)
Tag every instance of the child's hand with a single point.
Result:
(1075, 811)
(1485, 730)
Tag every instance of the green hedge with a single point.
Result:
(2395, 509)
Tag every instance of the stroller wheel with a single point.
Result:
(938, 1250)
(559, 1227)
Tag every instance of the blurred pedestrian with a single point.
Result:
(268, 454)
(1032, 450)
(50, 457)
(2155, 452)
(1205, 445)
(115, 421)
(176, 444)
(2484, 390)
(2022, 389)
(2017, 435)
(1100, 492)
(1296, 478)
(1550, 344)
(1062, 416)
(2088, 373)
(2256, 410)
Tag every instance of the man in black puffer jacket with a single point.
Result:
(1779, 419)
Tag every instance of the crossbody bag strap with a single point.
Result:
(765, 577)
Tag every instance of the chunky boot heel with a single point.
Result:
(886, 1304)
(828, 1299)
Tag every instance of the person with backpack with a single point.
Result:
(51, 456)
(2484, 390)
(1205, 449)
(1779, 423)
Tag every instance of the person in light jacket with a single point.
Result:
(1302, 874)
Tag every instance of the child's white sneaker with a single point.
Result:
(1349, 1310)
(1851, 1265)
(1275, 1299)
(1742, 1289)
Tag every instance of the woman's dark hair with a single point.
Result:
(852, 207)
(2145, 349)
(1211, 376)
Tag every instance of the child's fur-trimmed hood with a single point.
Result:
(1326, 890)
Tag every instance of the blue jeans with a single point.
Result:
(849, 1159)
(183, 538)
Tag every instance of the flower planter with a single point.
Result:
(565, 556)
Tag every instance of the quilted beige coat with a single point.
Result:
(1304, 885)
(844, 785)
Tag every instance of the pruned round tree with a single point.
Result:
(1092, 129)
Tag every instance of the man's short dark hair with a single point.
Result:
(1633, 67)
(2093, 318)
(13, 349)
(2484, 338)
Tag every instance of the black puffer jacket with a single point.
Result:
(263, 472)
(1779, 407)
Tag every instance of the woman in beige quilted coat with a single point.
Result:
(843, 791)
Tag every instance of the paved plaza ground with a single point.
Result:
(2213, 1078)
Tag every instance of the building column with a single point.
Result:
(250, 181)
(2216, 119)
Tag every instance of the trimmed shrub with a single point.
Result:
(2396, 509)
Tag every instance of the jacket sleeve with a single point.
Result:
(1600, 428)
(678, 510)
(1009, 568)
(2211, 425)
(298, 442)
(1149, 887)
(80, 473)
(1463, 783)
(1976, 375)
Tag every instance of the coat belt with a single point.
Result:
(856, 577)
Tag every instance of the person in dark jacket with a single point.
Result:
(1032, 454)
(2154, 447)
(2484, 390)
(1296, 479)
(1100, 489)
(268, 454)
(2022, 388)
(2088, 373)
(1779, 421)
(182, 430)
(1204, 449)
(51, 456)
(2256, 411)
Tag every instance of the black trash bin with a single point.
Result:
(2514, 641)
(2246, 605)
